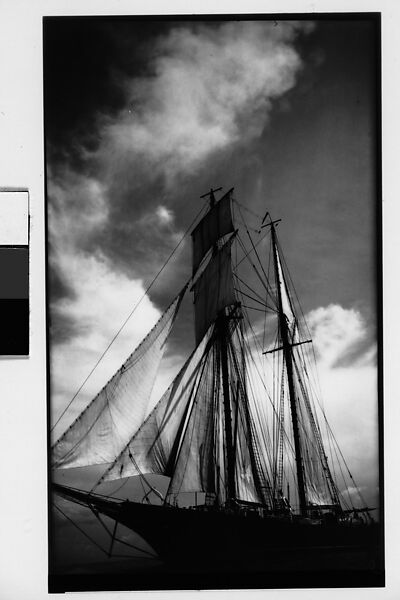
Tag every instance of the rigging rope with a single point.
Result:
(150, 554)
(246, 209)
(80, 529)
(264, 284)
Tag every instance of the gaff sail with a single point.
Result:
(213, 290)
(104, 427)
(216, 224)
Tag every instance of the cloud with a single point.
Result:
(112, 222)
(340, 335)
(209, 87)
(202, 89)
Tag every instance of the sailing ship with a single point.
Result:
(258, 466)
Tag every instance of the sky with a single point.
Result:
(142, 118)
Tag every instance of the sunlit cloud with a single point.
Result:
(336, 332)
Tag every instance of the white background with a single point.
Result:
(23, 427)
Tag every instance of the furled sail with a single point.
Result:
(156, 444)
(102, 430)
(216, 224)
(213, 290)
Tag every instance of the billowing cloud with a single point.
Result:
(338, 333)
(209, 88)
(205, 88)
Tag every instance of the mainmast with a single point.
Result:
(288, 357)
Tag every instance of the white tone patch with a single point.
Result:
(14, 218)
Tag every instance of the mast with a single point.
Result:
(211, 195)
(287, 353)
(221, 223)
(222, 335)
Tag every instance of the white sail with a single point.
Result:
(154, 446)
(246, 486)
(248, 476)
(102, 430)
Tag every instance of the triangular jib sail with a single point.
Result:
(102, 430)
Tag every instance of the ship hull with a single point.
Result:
(216, 540)
(204, 548)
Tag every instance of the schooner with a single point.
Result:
(257, 464)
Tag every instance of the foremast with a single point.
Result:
(222, 334)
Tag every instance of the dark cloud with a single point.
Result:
(83, 62)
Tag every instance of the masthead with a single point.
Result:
(211, 194)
